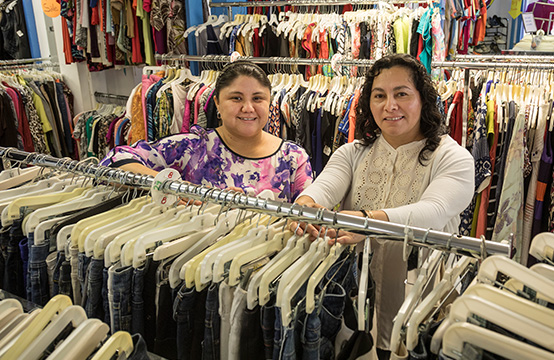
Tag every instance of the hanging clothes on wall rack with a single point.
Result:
(99, 130)
(122, 261)
(37, 108)
(509, 108)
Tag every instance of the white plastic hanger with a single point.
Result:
(55, 306)
(422, 311)
(427, 270)
(262, 234)
(7, 329)
(544, 269)
(9, 309)
(180, 227)
(73, 315)
(303, 245)
(542, 246)
(119, 343)
(291, 283)
(62, 239)
(22, 176)
(254, 284)
(82, 341)
(512, 302)
(316, 277)
(494, 264)
(43, 227)
(41, 185)
(468, 305)
(276, 243)
(98, 239)
(8, 339)
(458, 334)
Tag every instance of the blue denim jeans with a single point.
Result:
(105, 297)
(13, 274)
(24, 250)
(311, 337)
(62, 276)
(84, 262)
(189, 312)
(139, 349)
(252, 343)
(166, 327)
(144, 301)
(38, 274)
(210, 345)
(268, 326)
(4, 239)
(94, 306)
(119, 295)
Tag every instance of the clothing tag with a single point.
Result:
(532, 293)
(327, 150)
(19, 33)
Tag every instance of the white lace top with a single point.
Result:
(379, 177)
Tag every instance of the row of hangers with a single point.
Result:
(508, 304)
(28, 336)
(212, 243)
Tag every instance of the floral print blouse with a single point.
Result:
(203, 158)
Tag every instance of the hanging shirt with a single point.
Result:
(204, 159)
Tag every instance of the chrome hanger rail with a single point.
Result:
(310, 3)
(413, 235)
(99, 96)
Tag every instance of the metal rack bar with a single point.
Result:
(101, 95)
(492, 65)
(22, 61)
(419, 236)
(506, 58)
(308, 3)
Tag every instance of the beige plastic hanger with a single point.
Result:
(55, 306)
(119, 343)
(458, 334)
(22, 176)
(9, 338)
(82, 341)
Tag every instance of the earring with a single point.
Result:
(218, 115)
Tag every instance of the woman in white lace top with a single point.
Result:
(402, 166)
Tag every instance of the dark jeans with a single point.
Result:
(105, 296)
(84, 262)
(268, 326)
(62, 276)
(38, 273)
(94, 306)
(139, 349)
(144, 301)
(189, 312)
(4, 239)
(24, 249)
(166, 327)
(13, 274)
(211, 343)
(119, 285)
(252, 339)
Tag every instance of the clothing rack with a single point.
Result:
(22, 66)
(23, 61)
(255, 3)
(506, 58)
(110, 98)
(485, 65)
(409, 234)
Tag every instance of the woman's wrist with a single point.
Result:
(367, 214)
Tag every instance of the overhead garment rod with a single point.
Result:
(413, 235)
(99, 96)
(42, 65)
(263, 60)
(491, 65)
(309, 3)
(506, 58)
(23, 61)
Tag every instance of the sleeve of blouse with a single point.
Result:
(448, 194)
(303, 176)
(332, 185)
(157, 155)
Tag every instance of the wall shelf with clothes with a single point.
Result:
(164, 308)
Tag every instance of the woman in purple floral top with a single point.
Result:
(237, 154)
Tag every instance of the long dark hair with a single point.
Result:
(430, 125)
(240, 68)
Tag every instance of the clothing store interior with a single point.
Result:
(277, 179)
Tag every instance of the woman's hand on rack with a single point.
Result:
(301, 228)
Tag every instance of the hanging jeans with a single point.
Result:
(268, 326)
(83, 264)
(62, 276)
(51, 260)
(119, 297)
(143, 301)
(13, 274)
(166, 327)
(4, 239)
(139, 349)
(252, 343)
(38, 274)
(189, 311)
(94, 306)
(210, 345)
(225, 304)
(75, 284)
